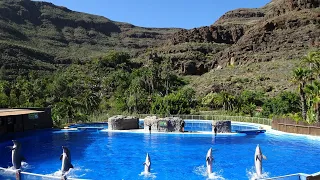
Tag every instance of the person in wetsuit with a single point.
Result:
(182, 125)
(215, 130)
(150, 128)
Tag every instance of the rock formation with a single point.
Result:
(223, 126)
(283, 29)
(123, 123)
(168, 124)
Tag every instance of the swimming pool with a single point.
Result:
(114, 155)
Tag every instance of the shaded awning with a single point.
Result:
(16, 112)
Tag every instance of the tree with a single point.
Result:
(89, 101)
(284, 103)
(114, 60)
(301, 77)
(313, 91)
(313, 59)
(180, 102)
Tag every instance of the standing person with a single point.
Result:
(215, 130)
(182, 125)
(150, 128)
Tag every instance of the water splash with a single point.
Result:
(24, 166)
(148, 175)
(202, 171)
(58, 173)
(252, 175)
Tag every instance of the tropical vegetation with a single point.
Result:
(116, 84)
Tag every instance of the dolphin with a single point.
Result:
(209, 160)
(147, 164)
(17, 157)
(66, 160)
(258, 156)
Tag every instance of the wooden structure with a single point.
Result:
(290, 126)
(20, 120)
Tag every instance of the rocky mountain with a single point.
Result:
(41, 36)
(281, 29)
(64, 36)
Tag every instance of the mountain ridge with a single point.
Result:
(68, 35)
(282, 29)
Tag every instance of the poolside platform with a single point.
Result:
(90, 128)
(298, 176)
(252, 131)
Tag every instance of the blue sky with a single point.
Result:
(160, 13)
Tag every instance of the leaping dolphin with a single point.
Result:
(209, 160)
(66, 160)
(258, 156)
(147, 164)
(17, 157)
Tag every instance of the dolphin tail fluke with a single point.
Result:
(264, 157)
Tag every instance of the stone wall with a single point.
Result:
(123, 123)
(168, 124)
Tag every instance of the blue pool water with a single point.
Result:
(113, 155)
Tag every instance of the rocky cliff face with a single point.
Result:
(228, 29)
(228, 34)
(281, 29)
(279, 7)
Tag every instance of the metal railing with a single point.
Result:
(256, 120)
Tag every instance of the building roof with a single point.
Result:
(15, 112)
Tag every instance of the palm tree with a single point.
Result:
(300, 77)
(314, 91)
(313, 59)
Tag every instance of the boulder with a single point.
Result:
(168, 124)
(123, 123)
(150, 121)
(223, 126)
